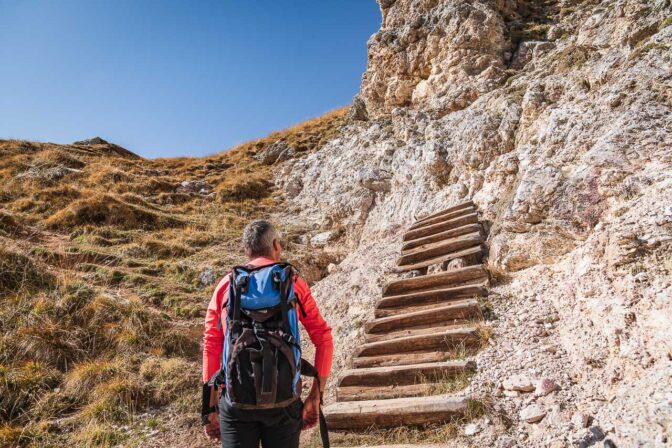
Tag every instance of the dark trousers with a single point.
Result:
(274, 428)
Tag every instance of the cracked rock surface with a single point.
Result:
(556, 119)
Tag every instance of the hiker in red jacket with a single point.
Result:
(241, 425)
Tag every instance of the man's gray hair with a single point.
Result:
(258, 238)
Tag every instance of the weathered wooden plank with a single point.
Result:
(404, 375)
(446, 279)
(441, 236)
(389, 312)
(439, 248)
(394, 412)
(429, 329)
(471, 218)
(432, 296)
(443, 217)
(433, 250)
(446, 210)
(400, 359)
(471, 252)
(463, 309)
(454, 243)
(442, 340)
(357, 393)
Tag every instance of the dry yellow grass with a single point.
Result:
(106, 209)
(100, 260)
(404, 435)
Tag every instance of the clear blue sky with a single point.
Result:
(176, 77)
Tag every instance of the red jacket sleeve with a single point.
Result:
(213, 335)
(317, 328)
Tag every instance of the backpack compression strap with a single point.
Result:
(284, 295)
(307, 369)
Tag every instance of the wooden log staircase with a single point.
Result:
(425, 328)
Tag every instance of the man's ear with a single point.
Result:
(276, 244)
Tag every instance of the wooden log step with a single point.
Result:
(394, 412)
(358, 393)
(402, 359)
(463, 230)
(404, 375)
(409, 303)
(475, 251)
(443, 217)
(471, 218)
(431, 297)
(463, 309)
(382, 383)
(446, 210)
(432, 250)
(454, 324)
(455, 277)
(442, 340)
(388, 312)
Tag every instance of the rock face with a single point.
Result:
(556, 119)
(435, 56)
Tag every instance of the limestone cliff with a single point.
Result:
(556, 118)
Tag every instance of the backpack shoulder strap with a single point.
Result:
(285, 287)
(237, 286)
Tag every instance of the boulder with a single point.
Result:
(358, 110)
(277, 152)
(580, 420)
(518, 383)
(207, 276)
(456, 263)
(293, 187)
(471, 429)
(322, 238)
(544, 387)
(194, 187)
(532, 413)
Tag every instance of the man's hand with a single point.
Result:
(311, 408)
(211, 428)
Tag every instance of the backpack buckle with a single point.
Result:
(242, 283)
(277, 279)
(288, 338)
(259, 329)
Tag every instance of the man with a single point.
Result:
(279, 427)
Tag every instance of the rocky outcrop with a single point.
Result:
(556, 119)
(436, 56)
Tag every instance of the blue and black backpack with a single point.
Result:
(262, 347)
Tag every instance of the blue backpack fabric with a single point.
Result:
(261, 358)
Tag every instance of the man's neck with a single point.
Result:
(260, 261)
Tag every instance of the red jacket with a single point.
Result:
(213, 336)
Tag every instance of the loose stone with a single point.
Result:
(532, 413)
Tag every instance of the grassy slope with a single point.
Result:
(101, 295)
